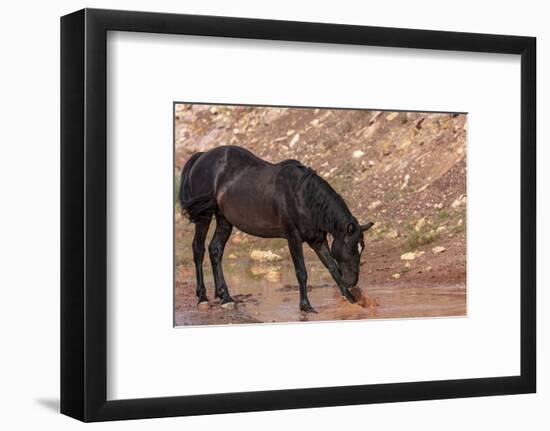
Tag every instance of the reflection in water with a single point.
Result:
(269, 293)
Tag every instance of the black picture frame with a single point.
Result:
(84, 214)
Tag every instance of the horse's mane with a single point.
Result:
(329, 211)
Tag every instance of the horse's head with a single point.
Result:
(346, 250)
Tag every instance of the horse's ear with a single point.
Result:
(351, 228)
(365, 227)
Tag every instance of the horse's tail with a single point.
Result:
(197, 207)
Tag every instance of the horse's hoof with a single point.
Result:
(203, 305)
(308, 309)
(229, 305)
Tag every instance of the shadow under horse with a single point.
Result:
(284, 200)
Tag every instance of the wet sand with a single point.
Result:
(266, 292)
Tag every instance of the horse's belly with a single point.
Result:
(257, 229)
(251, 214)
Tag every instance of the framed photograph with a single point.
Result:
(262, 215)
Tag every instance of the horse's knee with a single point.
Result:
(301, 275)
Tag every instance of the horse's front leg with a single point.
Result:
(297, 254)
(215, 250)
(323, 252)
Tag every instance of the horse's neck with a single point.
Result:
(339, 215)
(328, 210)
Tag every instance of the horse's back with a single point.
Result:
(247, 192)
(213, 165)
(253, 194)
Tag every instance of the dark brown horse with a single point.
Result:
(284, 200)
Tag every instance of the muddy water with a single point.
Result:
(268, 292)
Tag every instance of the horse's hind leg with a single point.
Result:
(201, 230)
(215, 249)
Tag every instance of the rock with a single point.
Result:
(459, 202)
(411, 255)
(273, 276)
(264, 256)
(408, 256)
(315, 122)
(294, 140)
(440, 229)
(259, 269)
(392, 234)
(375, 115)
(396, 276)
(392, 116)
(357, 154)
(232, 256)
(329, 173)
(371, 163)
(290, 132)
(407, 265)
(428, 269)
(420, 224)
(404, 144)
(438, 249)
(405, 182)
(459, 222)
(374, 205)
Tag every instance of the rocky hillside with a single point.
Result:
(404, 171)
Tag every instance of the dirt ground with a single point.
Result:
(404, 171)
